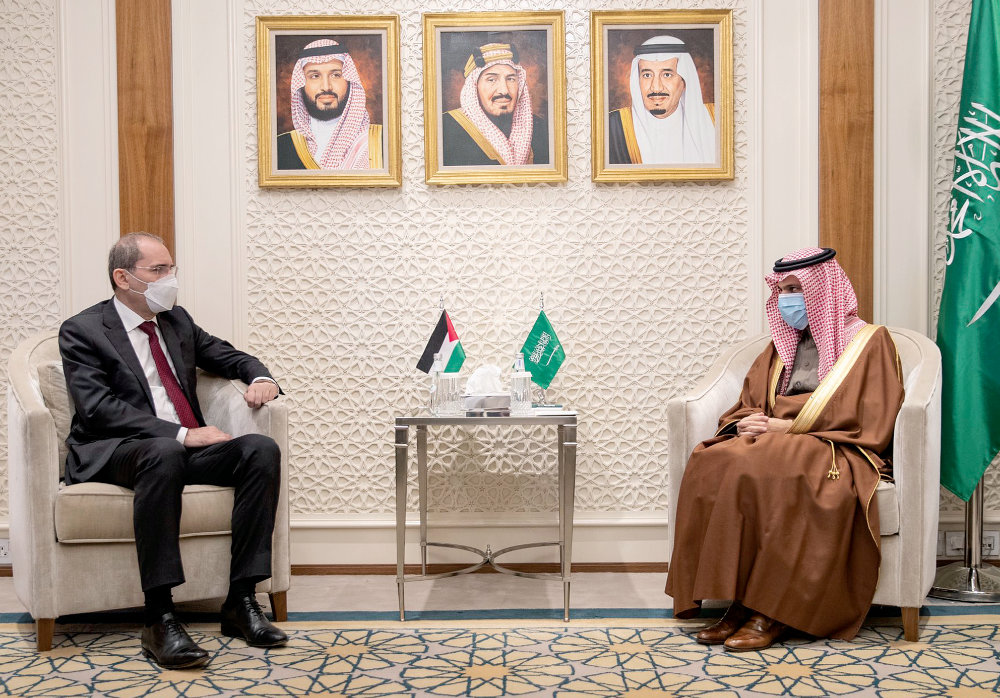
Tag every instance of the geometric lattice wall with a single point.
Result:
(29, 185)
(643, 282)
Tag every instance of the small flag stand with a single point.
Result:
(970, 580)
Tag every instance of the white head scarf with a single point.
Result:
(687, 135)
(348, 146)
(515, 150)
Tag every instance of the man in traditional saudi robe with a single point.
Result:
(777, 512)
(332, 128)
(494, 125)
(667, 123)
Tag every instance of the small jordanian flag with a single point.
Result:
(444, 341)
(543, 354)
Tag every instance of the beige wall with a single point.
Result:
(642, 283)
(337, 290)
(30, 186)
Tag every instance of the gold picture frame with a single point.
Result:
(465, 142)
(678, 43)
(369, 152)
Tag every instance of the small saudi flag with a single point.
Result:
(444, 341)
(543, 354)
(968, 329)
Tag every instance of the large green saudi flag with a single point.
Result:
(969, 323)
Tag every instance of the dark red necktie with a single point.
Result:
(173, 388)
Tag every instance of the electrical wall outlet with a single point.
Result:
(991, 543)
(5, 551)
(954, 543)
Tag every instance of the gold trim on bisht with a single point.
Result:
(478, 137)
(375, 146)
(772, 391)
(817, 402)
(302, 149)
(631, 142)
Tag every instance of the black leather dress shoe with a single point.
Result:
(168, 644)
(245, 619)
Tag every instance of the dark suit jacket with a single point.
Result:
(112, 396)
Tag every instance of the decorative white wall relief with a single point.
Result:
(29, 185)
(645, 284)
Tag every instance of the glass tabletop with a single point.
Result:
(565, 418)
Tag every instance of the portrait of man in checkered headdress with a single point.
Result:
(494, 123)
(332, 127)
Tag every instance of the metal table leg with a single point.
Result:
(422, 493)
(402, 436)
(567, 491)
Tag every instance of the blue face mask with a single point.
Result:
(792, 307)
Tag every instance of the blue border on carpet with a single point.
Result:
(134, 616)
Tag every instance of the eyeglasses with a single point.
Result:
(161, 269)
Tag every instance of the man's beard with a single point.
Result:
(660, 110)
(325, 114)
(504, 122)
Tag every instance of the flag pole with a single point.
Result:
(970, 580)
(541, 309)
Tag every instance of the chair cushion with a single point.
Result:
(888, 509)
(52, 385)
(95, 512)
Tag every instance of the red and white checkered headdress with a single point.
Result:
(516, 149)
(831, 307)
(354, 121)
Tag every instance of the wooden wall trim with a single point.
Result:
(846, 139)
(145, 117)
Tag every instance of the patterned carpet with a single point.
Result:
(368, 655)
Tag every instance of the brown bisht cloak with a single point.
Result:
(787, 523)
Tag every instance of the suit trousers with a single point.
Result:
(157, 469)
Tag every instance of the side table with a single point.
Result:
(565, 423)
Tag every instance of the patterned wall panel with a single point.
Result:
(29, 184)
(951, 27)
(643, 283)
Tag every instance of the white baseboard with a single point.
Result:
(596, 538)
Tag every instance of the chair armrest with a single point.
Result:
(223, 406)
(33, 471)
(695, 417)
(916, 464)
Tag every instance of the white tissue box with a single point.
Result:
(490, 401)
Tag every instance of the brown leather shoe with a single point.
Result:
(730, 622)
(758, 633)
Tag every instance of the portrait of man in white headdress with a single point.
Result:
(331, 125)
(667, 121)
(495, 122)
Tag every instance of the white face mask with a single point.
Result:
(160, 294)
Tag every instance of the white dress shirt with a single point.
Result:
(140, 342)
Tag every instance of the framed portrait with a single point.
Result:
(661, 95)
(494, 97)
(328, 110)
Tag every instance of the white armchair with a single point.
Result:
(73, 548)
(908, 508)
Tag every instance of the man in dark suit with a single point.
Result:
(130, 368)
